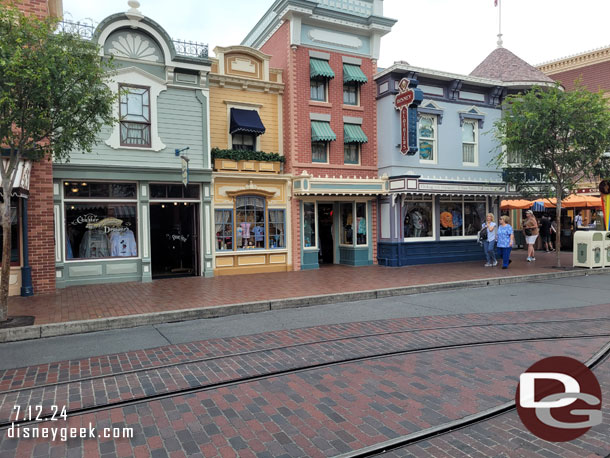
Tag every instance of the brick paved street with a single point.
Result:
(322, 411)
(120, 299)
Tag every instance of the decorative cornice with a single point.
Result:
(575, 61)
(245, 83)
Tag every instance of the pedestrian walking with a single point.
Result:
(489, 244)
(506, 240)
(545, 233)
(530, 230)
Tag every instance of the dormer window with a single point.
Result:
(134, 113)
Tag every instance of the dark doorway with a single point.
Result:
(174, 239)
(325, 227)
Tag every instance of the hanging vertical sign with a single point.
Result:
(185, 170)
(407, 100)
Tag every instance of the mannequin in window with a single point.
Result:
(417, 222)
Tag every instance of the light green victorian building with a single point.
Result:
(123, 212)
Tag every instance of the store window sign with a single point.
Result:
(407, 100)
(106, 224)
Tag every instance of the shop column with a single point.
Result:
(145, 232)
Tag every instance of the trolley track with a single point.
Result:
(310, 367)
(402, 442)
(292, 346)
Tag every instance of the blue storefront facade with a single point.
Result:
(438, 197)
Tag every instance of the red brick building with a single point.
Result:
(592, 68)
(40, 236)
(328, 55)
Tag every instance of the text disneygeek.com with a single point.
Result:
(61, 433)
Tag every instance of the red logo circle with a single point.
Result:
(559, 399)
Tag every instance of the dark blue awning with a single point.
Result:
(246, 121)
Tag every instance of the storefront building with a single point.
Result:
(139, 206)
(329, 123)
(251, 194)
(440, 196)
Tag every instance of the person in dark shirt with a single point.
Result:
(545, 233)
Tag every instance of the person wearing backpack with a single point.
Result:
(487, 236)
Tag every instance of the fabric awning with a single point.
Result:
(517, 204)
(319, 68)
(353, 74)
(21, 185)
(353, 133)
(246, 121)
(321, 132)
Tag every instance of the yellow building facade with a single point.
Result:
(251, 194)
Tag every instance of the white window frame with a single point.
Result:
(475, 124)
(434, 139)
(455, 200)
(402, 219)
(325, 81)
(368, 235)
(133, 76)
(327, 149)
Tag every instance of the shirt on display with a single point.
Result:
(94, 245)
(123, 243)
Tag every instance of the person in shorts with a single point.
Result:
(530, 230)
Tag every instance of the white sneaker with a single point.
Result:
(495, 264)
(529, 259)
(533, 259)
(487, 264)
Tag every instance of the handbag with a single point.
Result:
(483, 235)
(528, 231)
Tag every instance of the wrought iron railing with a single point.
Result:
(85, 31)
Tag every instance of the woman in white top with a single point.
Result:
(489, 245)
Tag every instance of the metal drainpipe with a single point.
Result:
(27, 289)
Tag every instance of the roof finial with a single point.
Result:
(499, 42)
(498, 3)
(133, 12)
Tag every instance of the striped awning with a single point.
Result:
(353, 133)
(321, 132)
(353, 74)
(319, 68)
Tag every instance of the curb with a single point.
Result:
(106, 324)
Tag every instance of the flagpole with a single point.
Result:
(499, 24)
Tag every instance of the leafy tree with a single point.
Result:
(53, 100)
(552, 141)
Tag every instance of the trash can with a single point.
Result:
(588, 247)
(606, 250)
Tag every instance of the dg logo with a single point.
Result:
(559, 399)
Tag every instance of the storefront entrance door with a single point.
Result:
(325, 226)
(174, 239)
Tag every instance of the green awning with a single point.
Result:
(321, 132)
(319, 68)
(353, 133)
(353, 74)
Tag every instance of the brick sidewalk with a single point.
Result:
(122, 299)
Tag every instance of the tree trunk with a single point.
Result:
(5, 217)
(558, 233)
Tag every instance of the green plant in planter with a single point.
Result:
(238, 155)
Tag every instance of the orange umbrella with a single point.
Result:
(517, 204)
(575, 201)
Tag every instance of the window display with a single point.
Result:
(309, 224)
(224, 229)
(347, 223)
(100, 230)
(361, 223)
(248, 227)
(417, 219)
(462, 217)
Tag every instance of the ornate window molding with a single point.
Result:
(472, 113)
(133, 76)
(430, 107)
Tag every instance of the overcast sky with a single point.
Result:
(448, 35)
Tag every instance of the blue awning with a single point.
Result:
(246, 121)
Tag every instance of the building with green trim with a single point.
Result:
(139, 206)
